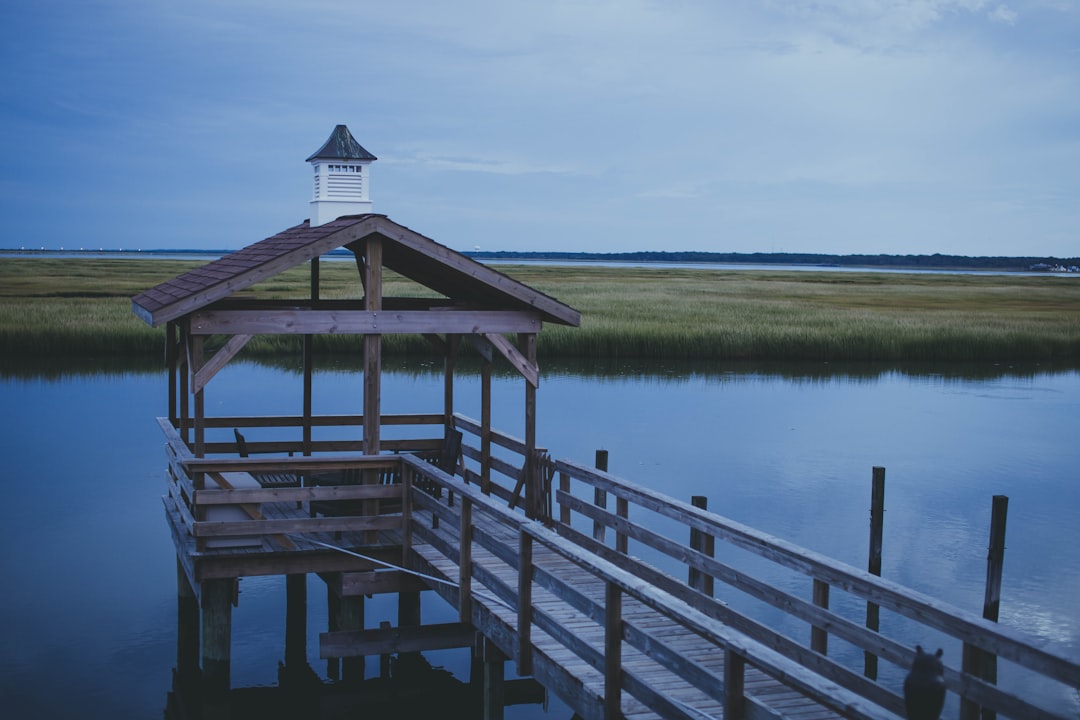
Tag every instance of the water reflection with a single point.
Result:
(785, 448)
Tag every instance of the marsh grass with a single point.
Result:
(82, 307)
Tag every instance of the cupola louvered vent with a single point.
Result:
(341, 178)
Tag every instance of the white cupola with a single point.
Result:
(341, 178)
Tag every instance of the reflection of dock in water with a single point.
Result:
(406, 687)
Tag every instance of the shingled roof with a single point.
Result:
(406, 252)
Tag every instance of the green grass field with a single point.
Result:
(82, 307)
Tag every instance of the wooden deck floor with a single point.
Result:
(561, 669)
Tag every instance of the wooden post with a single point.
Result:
(819, 638)
(734, 685)
(600, 497)
(351, 617)
(217, 599)
(309, 359)
(877, 524)
(295, 621)
(533, 491)
(309, 362)
(613, 629)
(182, 377)
(465, 534)
(524, 611)
(187, 626)
(564, 486)
(170, 364)
(406, 513)
(452, 344)
(622, 509)
(195, 363)
(493, 693)
(976, 661)
(408, 613)
(409, 608)
(333, 605)
(372, 278)
(384, 659)
(485, 425)
(703, 543)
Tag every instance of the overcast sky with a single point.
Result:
(834, 126)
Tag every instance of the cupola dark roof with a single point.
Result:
(341, 145)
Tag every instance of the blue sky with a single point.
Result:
(835, 126)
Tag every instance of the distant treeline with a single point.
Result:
(781, 258)
(687, 256)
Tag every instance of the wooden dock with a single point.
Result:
(605, 600)
(620, 600)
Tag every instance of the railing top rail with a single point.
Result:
(826, 692)
(314, 462)
(1042, 656)
(463, 422)
(471, 492)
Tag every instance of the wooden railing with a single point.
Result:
(197, 485)
(496, 463)
(427, 426)
(582, 496)
(478, 522)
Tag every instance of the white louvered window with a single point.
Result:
(344, 181)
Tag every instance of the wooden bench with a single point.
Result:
(266, 480)
(233, 513)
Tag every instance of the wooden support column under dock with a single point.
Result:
(187, 626)
(295, 621)
(217, 602)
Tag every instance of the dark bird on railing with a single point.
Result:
(924, 687)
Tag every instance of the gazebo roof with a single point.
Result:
(406, 252)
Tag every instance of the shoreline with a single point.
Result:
(52, 306)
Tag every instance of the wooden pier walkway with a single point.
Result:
(569, 614)
(609, 608)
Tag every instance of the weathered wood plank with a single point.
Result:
(297, 494)
(361, 322)
(382, 641)
(300, 525)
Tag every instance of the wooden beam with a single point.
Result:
(482, 346)
(528, 368)
(300, 525)
(212, 366)
(359, 643)
(379, 582)
(294, 321)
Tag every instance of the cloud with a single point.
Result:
(796, 109)
(1003, 14)
(447, 162)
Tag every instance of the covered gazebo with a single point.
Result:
(469, 300)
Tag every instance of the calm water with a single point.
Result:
(89, 576)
